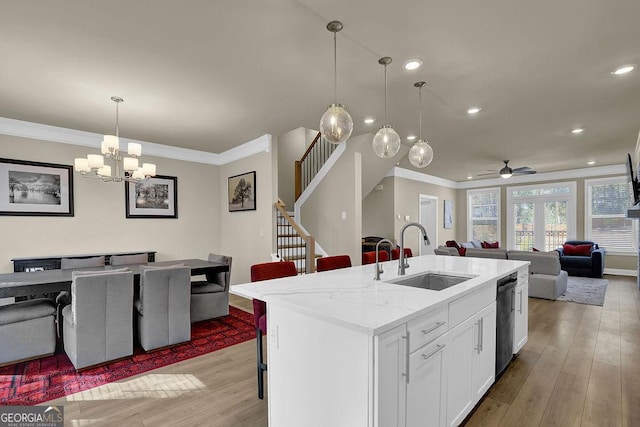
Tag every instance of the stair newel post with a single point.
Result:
(310, 251)
(298, 179)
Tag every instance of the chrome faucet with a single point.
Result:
(379, 270)
(402, 263)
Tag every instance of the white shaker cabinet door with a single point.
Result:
(521, 329)
(484, 369)
(427, 386)
(391, 377)
(460, 395)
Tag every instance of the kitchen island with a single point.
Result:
(345, 350)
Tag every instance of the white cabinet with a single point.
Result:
(427, 385)
(471, 363)
(391, 377)
(521, 327)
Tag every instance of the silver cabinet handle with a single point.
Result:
(433, 328)
(477, 348)
(438, 348)
(482, 334)
(520, 301)
(406, 356)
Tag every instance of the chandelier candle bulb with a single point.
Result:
(138, 174)
(149, 169)
(130, 163)
(96, 161)
(134, 149)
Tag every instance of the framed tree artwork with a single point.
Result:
(242, 192)
(36, 189)
(155, 197)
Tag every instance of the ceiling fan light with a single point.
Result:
(506, 172)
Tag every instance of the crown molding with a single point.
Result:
(62, 135)
(422, 177)
(590, 172)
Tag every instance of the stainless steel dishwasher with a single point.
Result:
(505, 321)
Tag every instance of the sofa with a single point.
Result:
(547, 279)
(582, 258)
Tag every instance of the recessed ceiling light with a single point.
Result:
(474, 110)
(469, 177)
(412, 64)
(411, 137)
(369, 120)
(623, 70)
(591, 163)
(577, 131)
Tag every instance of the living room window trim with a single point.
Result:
(587, 215)
(475, 191)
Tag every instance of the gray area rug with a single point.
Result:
(585, 290)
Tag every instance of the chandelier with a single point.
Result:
(336, 124)
(124, 168)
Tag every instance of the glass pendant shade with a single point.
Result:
(386, 143)
(336, 124)
(421, 154)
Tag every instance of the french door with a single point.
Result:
(541, 217)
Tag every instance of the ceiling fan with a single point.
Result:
(507, 172)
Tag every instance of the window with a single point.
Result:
(541, 216)
(606, 222)
(483, 214)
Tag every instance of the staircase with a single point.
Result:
(293, 244)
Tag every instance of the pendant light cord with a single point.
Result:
(335, 69)
(420, 117)
(117, 119)
(385, 95)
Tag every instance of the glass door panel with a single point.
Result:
(523, 222)
(555, 224)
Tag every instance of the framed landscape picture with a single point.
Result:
(155, 197)
(242, 192)
(37, 189)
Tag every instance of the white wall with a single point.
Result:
(378, 211)
(99, 224)
(291, 147)
(247, 236)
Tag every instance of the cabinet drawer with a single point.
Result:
(468, 305)
(427, 327)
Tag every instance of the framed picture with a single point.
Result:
(448, 213)
(242, 192)
(37, 189)
(155, 197)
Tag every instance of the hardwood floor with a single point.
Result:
(581, 367)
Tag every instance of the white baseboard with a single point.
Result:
(620, 272)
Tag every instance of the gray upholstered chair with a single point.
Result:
(129, 259)
(98, 324)
(163, 306)
(27, 330)
(210, 298)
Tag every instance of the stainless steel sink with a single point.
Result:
(433, 281)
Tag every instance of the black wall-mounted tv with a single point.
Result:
(633, 179)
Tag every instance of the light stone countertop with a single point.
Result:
(350, 297)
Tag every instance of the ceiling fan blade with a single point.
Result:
(524, 168)
(525, 172)
(488, 173)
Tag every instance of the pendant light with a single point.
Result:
(336, 124)
(421, 154)
(386, 143)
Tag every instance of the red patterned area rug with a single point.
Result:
(47, 378)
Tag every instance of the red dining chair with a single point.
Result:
(259, 272)
(333, 262)
(395, 253)
(370, 257)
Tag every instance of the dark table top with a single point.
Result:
(40, 282)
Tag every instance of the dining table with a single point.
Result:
(50, 281)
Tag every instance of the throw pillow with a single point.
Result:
(476, 244)
(490, 245)
(462, 251)
(467, 245)
(581, 250)
(452, 244)
(535, 250)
